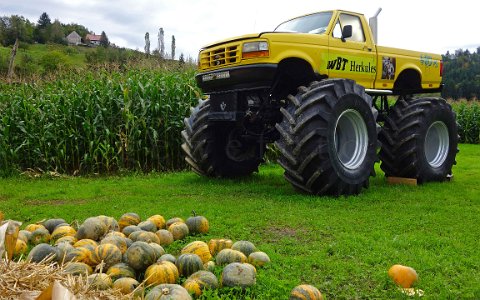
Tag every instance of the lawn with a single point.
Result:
(344, 246)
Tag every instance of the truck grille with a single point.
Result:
(219, 56)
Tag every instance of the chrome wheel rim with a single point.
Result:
(437, 144)
(351, 139)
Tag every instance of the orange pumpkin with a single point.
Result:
(305, 292)
(199, 248)
(217, 245)
(402, 275)
(161, 272)
(179, 230)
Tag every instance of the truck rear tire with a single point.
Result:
(328, 138)
(419, 140)
(217, 149)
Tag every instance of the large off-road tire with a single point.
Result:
(329, 138)
(217, 149)
(419, 140)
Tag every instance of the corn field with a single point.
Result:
(96, 122)
(468, 118)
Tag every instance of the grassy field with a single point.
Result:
(343, 246)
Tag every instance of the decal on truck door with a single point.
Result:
(351, 64)
(389, 65)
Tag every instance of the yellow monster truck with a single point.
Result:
(317, 87)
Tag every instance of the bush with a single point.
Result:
(51, 61)
(468, 118)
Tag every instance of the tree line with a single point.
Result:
(43, 32)
(461, 74)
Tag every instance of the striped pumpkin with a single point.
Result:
(161, 272)
(305, 292)
(51, 224)
(126, 285)
(62, 231)
(117, 241)
(84, 242)
(148, 225)
(93, 228)
(43, 252)
(165, 237)
(139, 256)
(199, 248)
(111, 223)
(159, 221)
(209, 266)
(188, 264)
(245, 247)
(179, 230)
(66, 239)
(120, 270)
(39, 236)
(109, 254)
(258, 259)
(144, 236)
(199, 281)
(116, 233)
(168, 292)
(217, 245)
(80, 254)
(174, 220)
(129, 229)
(227, 256)
(128, 219)
(159, 251)
(167, 257)
(77, 268)
(33, 227)
(197, 224)
(100, 281)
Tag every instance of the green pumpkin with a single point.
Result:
(239, 275)
(77, 268)
(227, 256)
(188, 264)
(139, 256)
(121, 270)
(199, 281)
(168, 292)
(245, 247)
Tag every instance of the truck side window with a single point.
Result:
(357, 29)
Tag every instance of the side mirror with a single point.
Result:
(346, 32)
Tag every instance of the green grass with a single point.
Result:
(344, 246)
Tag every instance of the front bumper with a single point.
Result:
(239, 78)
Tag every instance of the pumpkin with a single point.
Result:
(217, 245)
(199, 281)
(245, 247)
(129, 229)
(209, 266)
(66, 239)
(159, 221)
(100, 281)
(126, 285)
(109, 254)
(93, 228)
(129, 242)
(20, 247)
(258, 259)
(239, 275)
(33, 227)
(121, 270)
(148, 226)
(51, 224)
(179, 230)
(227, 256)
(139, 256)
(77, 268)
(43, 252)
(167, 257)
(115, 233)
(159, 251)
(25, 235)
(161, 272)
(111, 223)
(402, 275)
(117, 241)
(168, 292)
(197, 224)
(199, 248)
(188, 264)
(144, 236)
(61, 231)
(128, 219)
(174, 220)
(63, 249)
(40, 235)
(80, 254)
(84, 242)
(165, 237)
(305, 292)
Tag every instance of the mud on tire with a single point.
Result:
(329, 138)
(217, 149)
(419, 140)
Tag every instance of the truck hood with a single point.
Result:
(234, 39)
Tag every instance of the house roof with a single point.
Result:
(74, 34)
(93, 37)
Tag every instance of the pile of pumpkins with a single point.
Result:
(125, 253)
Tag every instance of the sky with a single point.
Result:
(427, 25)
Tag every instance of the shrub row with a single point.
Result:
(468, 118)
(96, 122)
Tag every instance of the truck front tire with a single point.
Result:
(419, 140)
(217, 149)
(329, 138)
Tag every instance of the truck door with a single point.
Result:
(353, 57)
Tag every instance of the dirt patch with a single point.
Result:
(38, 202)
(275, 233)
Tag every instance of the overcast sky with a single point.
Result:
(427, 25)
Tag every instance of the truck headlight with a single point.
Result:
(255, 49)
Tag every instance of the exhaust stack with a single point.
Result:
(373, 21)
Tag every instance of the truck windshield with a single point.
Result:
(314, 23)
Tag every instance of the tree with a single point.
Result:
(41, 33)
(44, 21)
(147, 43)
(173, 47)
(56, 33)
(181, 59)
(104, 40)
(161, 43)
(13, 28)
